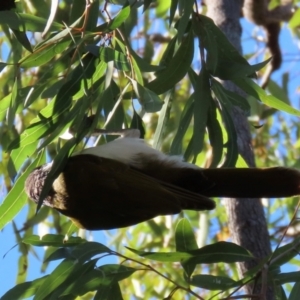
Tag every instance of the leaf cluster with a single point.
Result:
(86, 73)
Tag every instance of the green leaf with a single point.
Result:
(168, 54)
(148, 99)
(119, 19)
(117, 272)
(221, 252)
(185, 15)
(55, 279)
(184, 236)
(202, 100)
(108, 292)
(58, 254)
(257, 92)
(120, 60)
(142, 64)
(278, 91)
(231, 145)
(137, 123)
(283, 278)
(215, 135)
(16, 198)
(285, 253)
(184, 123)
(86, 251)
(24, 290)
(25, 22)
(295, 20)
(163, 256)
(44, 54)
(294, 295)
(2, 66)
(48, 117)
(13, 105)
(18, 156)
(22, 38)
(185, 240)
(176, 69)
(223, 59)
(218, 252)
(162, 120)
(173, 8)
(69, 287)
(229, 98)
(210, 282)
(55, 240)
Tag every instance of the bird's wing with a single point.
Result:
(111, 194)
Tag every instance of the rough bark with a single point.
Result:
(246, 218)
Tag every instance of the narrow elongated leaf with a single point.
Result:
(117, 272)
(13, 105)
(215, 135)
(202, 100)
(44, 54)
(231, 145)
(107, 292)
(120, 18)
(58, 254)
(22, 38)
(18, 156)
(295, 20)
(70, 285)
(23, 22)
(2, 66)
(147, 98)
(285, 253)
(185, 241)
(223, 59)
(24, 290)
(86, 251)
(210, 282)
(119, 59)
(176, 69)
(218, 252)
(173, 8)
(185, 121)
(257, 92)
(283, 278)
(57, 277)
(229, 98)
(55, 240)
(162, 120)
(187, 10)
(294, 295)
(168, 53)
(184, 236)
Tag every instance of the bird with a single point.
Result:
(126, 182)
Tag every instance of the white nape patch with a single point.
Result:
(127, 150)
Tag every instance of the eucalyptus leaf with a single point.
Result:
(55, 240)
(210, 282)
(176, 69)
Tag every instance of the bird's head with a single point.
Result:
(35, 183)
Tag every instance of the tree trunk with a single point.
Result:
(246, 218)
